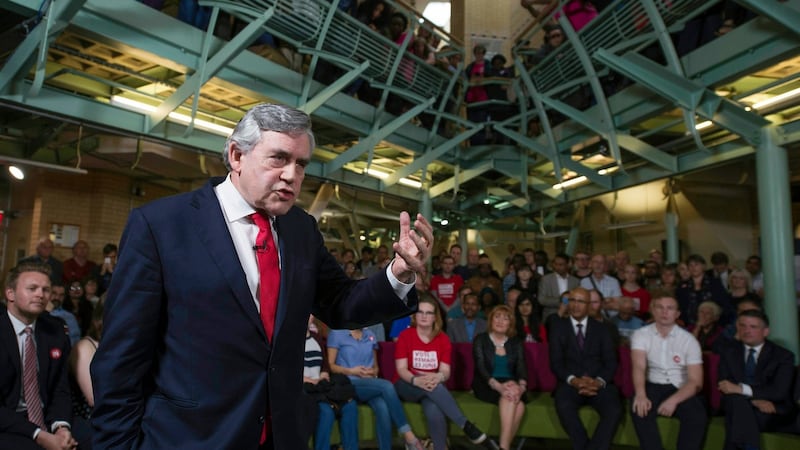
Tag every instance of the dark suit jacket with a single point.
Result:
(184, 361)
(457, 329)
(52, 350)
(774, 372)
(597, 359)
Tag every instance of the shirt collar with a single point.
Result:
(575, 322)
(757, 347)
(234, 206)
(19, 327)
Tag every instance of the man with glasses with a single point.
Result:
(584, 359)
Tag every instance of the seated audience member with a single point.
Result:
(756, 383)
(740, 287)
(582, 267)
(554, 283)
(511, 297)
(44, 255)
(707, 329)
(457, 311)
(79, 267)
(465, 329)
(33, 355)
(90, 291)
(605, 284)
(445, 286)
(528, 319)
(701, 287)
(334, 396)
(56, 308)
(682, 269)
(485, 278)
(583, 358)
(753, 267)
(720, 268)
(80, 359)
(668, 280)
(77, 304)
(626, 321)
(354, 353)
(596, 313)
(501, 377)
(526, 282)
(730, 332)
(630, 287)
(489, 299)
(667, 377)
(563, 311)
(651, 276)
(422, 357)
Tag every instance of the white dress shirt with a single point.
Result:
(747, 390)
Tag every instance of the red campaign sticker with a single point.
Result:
(677, 359)
(55, 353)
(372, 338)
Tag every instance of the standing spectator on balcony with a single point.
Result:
(79, 267)
(667, 376)
(464, 329)
(501, 377)
(375, 14)
(422, 358)
(553, 38)
(44, 255)
(579, 13)
(756, 382)
(554, 283)
(476, 92)
(583, 359)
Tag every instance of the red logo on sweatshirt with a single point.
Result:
(55, 353)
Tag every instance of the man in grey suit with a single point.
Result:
(465, 329)
(552, 285)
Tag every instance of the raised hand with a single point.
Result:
(413, 248)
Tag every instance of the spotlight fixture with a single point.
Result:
(16, 172)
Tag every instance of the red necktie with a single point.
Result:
(30, 381)
(269, 272)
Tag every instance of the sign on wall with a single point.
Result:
(64, 235)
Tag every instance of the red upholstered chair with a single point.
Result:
(540, 377)
(386, 360)
(710, 378)
(462, 367)
(623, 378)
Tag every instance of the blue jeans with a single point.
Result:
(436, 405)
(380, 395)
(348, 426)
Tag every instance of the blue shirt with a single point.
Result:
(627, 327)
(73, 328)
(351, 352)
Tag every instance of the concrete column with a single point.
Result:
(775, 217)
(572, 240)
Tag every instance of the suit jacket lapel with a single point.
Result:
(9, 340)
(287, 272)
(216, 239)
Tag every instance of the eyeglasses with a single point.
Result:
(426, 313)
(76, 288)
(579, 300)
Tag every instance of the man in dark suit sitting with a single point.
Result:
(583, 359)
(35, 405)
(756, 383)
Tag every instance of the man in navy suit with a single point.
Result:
(185, 361)
(23, 427)
(583, 359)
(756, 382)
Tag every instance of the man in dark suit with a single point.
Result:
(583, 359)
(33, 415)
(756, 382)
(186, 360)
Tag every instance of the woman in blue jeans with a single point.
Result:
(354, 353)
(315, 370)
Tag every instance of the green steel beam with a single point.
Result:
(591, 174)
(208, 70)
(25, 55)
(779, 12)
(326, 25)
(430, 156)
(462, 177)
(328, 92)
(599, 96)
(687, 94)
(368, 143)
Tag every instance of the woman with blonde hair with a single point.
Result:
(500, 373)
(422, 358)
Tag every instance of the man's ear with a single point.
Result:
(234, 156)
(9, 295)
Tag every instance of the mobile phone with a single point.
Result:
(565, 300)
(107, 260)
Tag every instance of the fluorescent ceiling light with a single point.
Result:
(384, 175)
(503, 205)
(786, 96)
(571, 182)
(16, 172)
(445, 222)
(43, 165)
(608, 170)
(438, 13)
(703, 125)
(215, 128)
